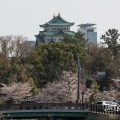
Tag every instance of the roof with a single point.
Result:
(43, 33)
(86, 24)
(57, 20)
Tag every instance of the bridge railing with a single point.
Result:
(46, 106)
(100, 109)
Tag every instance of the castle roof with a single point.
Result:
(57, 21)
(43, 33)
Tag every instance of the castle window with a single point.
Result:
(53, 28)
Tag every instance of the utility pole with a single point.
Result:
(83, 84)
(78, 82)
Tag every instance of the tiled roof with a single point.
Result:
(56, 33)
(58, 20)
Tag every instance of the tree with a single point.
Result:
(16, 91)
(15, 46)
(57, 57)
(111, 38)
(99, 59)
(4, 44)
(105, 95)
(53, 58)
(62, 90)
(21, 47)
(14, 59)
(59, 91)
(77, 39)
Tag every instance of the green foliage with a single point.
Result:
(77, 39)
(57, 57)
(92, 99)
(99, 59)
(43, 64)
(89, 81)
(95, 87)
(111, 38)
(105, 83)
(47, 61)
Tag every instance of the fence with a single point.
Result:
(100, 109)
(45, 106)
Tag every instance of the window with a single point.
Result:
(53, 28)
(90, 30)
(59, 28)
(99, 103)
(108, 102)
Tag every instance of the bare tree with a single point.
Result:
(5, 44)
(14, 50)
(15, 46)
(21, 47)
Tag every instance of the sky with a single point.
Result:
(23, 17)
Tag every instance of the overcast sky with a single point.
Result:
(23, 17)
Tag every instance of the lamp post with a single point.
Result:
(80, 74)
(83, 84)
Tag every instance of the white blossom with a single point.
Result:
(16, 91)
(63, 90)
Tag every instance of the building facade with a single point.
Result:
(54, 30)
(90, 32)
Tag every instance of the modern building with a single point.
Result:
(90, 32)
(54, 30)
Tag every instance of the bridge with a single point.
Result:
(29, 114)
(56, 110)
(38, 110)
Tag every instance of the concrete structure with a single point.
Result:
(90, 32)
(54, 30)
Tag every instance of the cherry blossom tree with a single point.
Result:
(16, 91)
(53, 92)
(64, 90)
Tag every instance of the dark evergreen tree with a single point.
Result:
(111, 38)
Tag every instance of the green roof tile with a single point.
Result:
(56, 33)
(58, 20)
